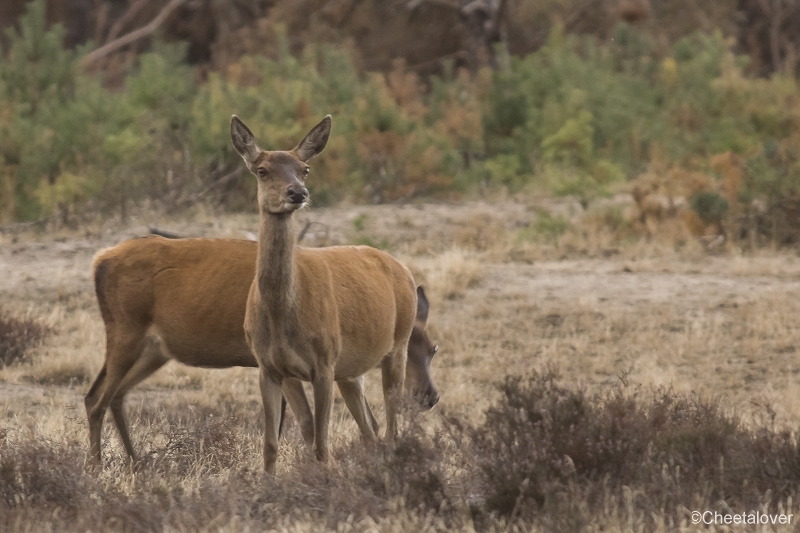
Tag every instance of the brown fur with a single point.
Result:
(190, 295)
(319, 315)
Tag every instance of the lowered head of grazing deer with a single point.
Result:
(420, 353)
(319, 314)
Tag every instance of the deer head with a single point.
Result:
(281, 175)
(420, 353)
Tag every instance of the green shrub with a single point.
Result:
(709, 206)
(546, 226)
(573, 118)
(37, 79)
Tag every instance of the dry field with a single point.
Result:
(637, 314)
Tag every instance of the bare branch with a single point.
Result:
(303, 231)
(193, 199)
(306, 227)
(155, 230)
(498, 18)
(126, 17)
(576, 15)
(414, 4)
(135, 35)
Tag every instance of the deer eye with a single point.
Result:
(306, 171)
(435, 349)
(261, 171)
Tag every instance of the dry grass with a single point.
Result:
(448, 276)
(718, 329)
(547, 456)
(70, 354)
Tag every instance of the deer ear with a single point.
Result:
(315, 141)
(244, 141)
(422, 306)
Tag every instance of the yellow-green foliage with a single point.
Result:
(573, 118)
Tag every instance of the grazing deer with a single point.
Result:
(185, 299)
(319, 314)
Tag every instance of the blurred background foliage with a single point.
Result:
(645, 101)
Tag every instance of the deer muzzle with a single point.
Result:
(297, 194)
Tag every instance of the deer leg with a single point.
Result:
(296, 396)
(353, 393)
(393, 373)
(95, 421)
(372, 420)
(121, 355)
(152, 359)
(271, 397)
(323, 402)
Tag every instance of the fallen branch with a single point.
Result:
(135, 35)
(193, 199)
(169, 234)
(459, 54)
(412, 5)
(155, 230)
(303, 231)
(307, 225)
(126, 17)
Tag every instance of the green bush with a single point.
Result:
(547, 226)
(574, 118)
(67, 140)
(709, 206)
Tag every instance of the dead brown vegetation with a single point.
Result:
(550, 449)
(707, 345)
(17, 335)
(546, 455)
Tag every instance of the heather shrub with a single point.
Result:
(41, 474)
(17, 335)
(547, 455)
(542, 434)
(544, 443)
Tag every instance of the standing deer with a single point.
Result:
(190, 296)
(319, 314)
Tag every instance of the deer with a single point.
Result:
(184, 299)
(321, 315)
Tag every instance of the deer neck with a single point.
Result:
(275, 270)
